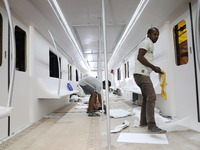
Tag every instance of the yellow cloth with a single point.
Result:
(163, 83)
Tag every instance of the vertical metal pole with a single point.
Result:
(99, 69)
(8, 73)
(100, 64)
(198, 32)
(11, 85)
(197, 54)
(194, 55)
(59, 69)
(10, 91)
(106, 76)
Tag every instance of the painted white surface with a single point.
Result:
(20, 100)
(181, 100)
(39, 66)
(184, 87)
(164, 59)
(197, 52)
(4, 74)
(181, 96)
(5, 112)
(39, 54)
(143, 138)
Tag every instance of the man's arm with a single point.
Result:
(143, 60)
(99, 98)
(104, 107)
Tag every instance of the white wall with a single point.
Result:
(164, 59)
(4, 74)
(20, 98)
(181, 97)
(184, 89)
(39, 66)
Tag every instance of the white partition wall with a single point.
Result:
(20, 99)
(4, 75)
(39, 70)
(184, 89)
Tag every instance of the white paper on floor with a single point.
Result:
(186, 123)
(168, 124)
(81, 106)
(143, 138)
(119, 113)
(120, 127)
(84, 99)
(75, 97)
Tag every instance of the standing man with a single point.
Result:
(91, 85)
(143, 68)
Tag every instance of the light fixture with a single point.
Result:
(58, 12)
(131, 24)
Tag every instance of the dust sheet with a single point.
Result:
(143, 138)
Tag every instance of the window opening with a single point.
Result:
(180, 41)
(70, 68)
(118, 74)
(68, 73)
(53, 65)
(125, 70)
(76, 75)
(60, 68)
(20, 39)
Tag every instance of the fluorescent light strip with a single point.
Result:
(57, 10)
(132, 22)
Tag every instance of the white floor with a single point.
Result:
(71, 129)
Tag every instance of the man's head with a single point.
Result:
(104, 84)
(153, 34)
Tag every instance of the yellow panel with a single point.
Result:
(182, 34)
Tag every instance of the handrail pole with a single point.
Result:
(100, 65)
(197, 33)
(10, 90)
(197, 54)
(106, 76)
(59, 69)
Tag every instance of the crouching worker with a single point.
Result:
(93, 86)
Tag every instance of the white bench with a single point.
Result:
(48, 89)
(5, 111)
(131, 86)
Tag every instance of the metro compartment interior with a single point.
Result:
(45, 65)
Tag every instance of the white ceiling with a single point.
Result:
(84, 17)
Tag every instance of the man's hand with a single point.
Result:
(157, 69)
